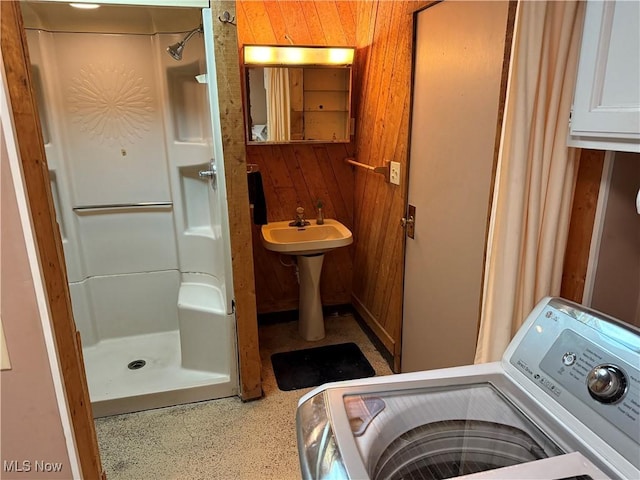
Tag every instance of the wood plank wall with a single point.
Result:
(384, 40)
(297, 175)
(583, 213)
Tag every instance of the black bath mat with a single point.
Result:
(314, 366)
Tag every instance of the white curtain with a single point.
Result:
(536, 173)
(276, 81)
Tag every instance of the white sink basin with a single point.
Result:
(309, 240)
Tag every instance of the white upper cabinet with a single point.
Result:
(606, 108)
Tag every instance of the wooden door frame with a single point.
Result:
(235, 170)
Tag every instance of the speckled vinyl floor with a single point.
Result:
(226, 438)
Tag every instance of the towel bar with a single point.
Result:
(84, 208)
(381, 170)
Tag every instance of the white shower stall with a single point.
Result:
(128, 131)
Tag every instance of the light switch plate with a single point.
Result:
(394, 173)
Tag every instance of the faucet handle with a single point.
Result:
(299, 221)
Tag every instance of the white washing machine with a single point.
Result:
(564, 403)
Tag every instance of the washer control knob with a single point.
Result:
(569, 358)
(606, 383)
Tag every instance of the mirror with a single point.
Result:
(291, 99)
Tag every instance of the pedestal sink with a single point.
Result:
(308, 244)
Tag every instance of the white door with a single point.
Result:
(458, 68)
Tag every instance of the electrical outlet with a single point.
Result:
(394, 173)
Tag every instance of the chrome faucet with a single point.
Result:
(299, 221)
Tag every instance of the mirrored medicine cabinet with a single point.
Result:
(297, 94)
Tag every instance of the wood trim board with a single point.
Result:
(230, 98)
(586, 199)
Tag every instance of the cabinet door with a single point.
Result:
(606, 110)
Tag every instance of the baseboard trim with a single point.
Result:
(271, 318)
(380, 337)
(372, 322)
(373, 338)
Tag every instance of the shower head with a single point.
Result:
(176, 49)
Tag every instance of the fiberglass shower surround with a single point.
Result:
(127, 130)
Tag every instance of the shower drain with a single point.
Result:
(136, 364)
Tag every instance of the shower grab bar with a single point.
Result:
(85, 208)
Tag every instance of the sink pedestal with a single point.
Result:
(308, 243)
(311, 321)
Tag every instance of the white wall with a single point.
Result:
(35, 425)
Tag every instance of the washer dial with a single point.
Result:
(607, 383)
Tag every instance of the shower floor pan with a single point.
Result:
(114, 388)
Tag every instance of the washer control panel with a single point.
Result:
(596, 378)
(588, 363)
